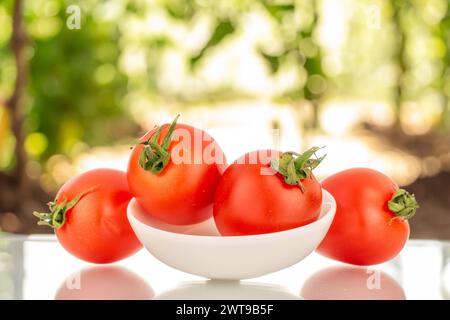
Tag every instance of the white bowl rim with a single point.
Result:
(325, 193)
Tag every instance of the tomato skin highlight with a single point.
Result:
(249, 203)
(363, 231)
(182, 193)
(96, 228)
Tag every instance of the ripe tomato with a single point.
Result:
(253, 198)
(370, 225)
(174, 172)
(90, 217)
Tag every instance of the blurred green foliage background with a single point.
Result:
(132, 60)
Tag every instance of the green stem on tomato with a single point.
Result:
(57, 215)
(403, 204)
(296, 167)
(154, 157)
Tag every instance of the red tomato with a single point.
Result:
(249, 202)
(370, 225)
(90, 217)
(177, 189)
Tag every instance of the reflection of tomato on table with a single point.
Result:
(351, 283)
(105, 283)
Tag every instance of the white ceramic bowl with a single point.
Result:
(200, 250)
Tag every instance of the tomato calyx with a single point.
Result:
(57, 215)
(403, 204)
(154, 157)
(295, 167)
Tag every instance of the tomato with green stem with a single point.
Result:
(268, 191)
(89, 216)
(174, 171)
(371, 221)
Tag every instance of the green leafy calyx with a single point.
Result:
(403, 204)
(154, 157)
(57, 215)
(296, 167)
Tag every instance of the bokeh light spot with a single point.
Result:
(36, 143)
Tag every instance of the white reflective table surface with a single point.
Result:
(37, 267)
